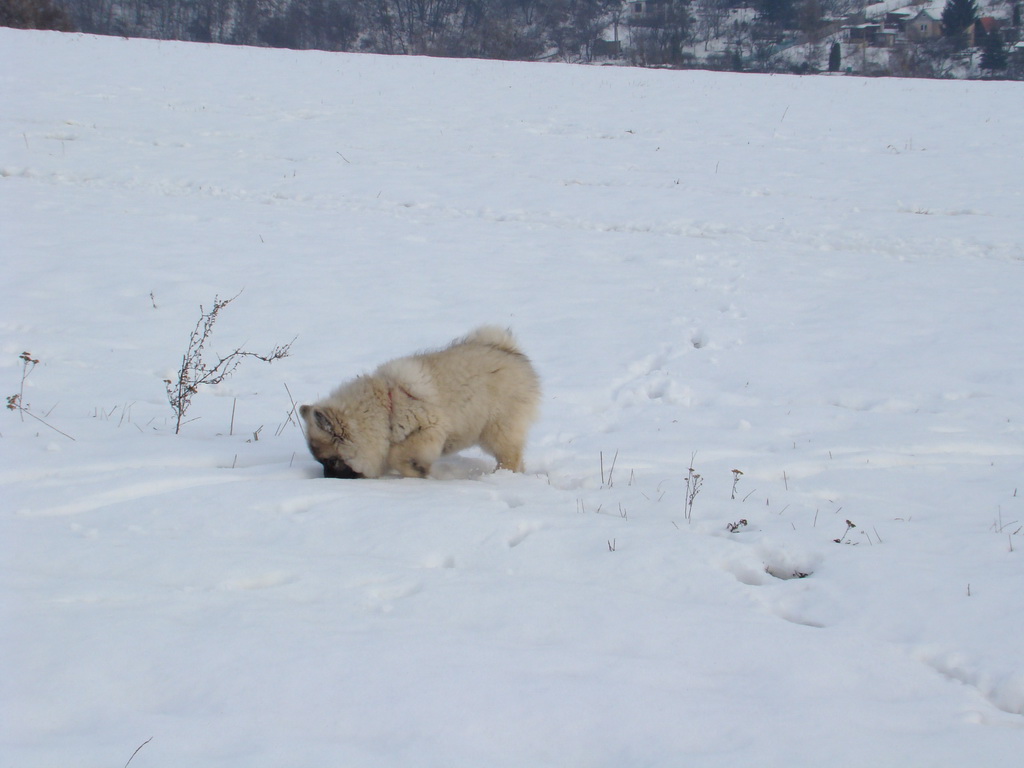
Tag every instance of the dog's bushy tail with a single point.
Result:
(494, 336)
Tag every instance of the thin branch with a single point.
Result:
(137, 750)
(12, 405)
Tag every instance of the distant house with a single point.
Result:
(985, 26)
(639, 12)
(923, 26)
(1017, 55)
(877, 35)
(927, 26)
(646, 7)
(898, 20)
(982, 28)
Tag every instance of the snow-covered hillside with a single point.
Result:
(814, 281)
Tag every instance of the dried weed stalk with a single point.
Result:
(693, 483)
(195, 371)
(17, 402)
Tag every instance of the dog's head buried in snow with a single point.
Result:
(480, 390)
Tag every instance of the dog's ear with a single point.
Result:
(325, 424)
(321, 420)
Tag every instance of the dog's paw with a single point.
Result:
(413, 468)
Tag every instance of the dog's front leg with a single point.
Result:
(414, 456)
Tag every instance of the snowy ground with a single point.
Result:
(815, 281)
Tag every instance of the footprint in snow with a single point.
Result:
(767, 566)
(436, 560)
(657, 385)
(383, 594)
(1003, 690)
(770, 564)
(647, 379)
(522, 533)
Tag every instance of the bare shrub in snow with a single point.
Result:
(195, 371)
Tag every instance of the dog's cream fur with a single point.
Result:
(480, 390)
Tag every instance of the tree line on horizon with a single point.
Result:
(499, 29)
(659, 30)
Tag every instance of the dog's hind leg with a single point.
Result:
(505, 445)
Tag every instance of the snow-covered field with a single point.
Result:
(818, 282)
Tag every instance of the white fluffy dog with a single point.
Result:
(480, 390)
